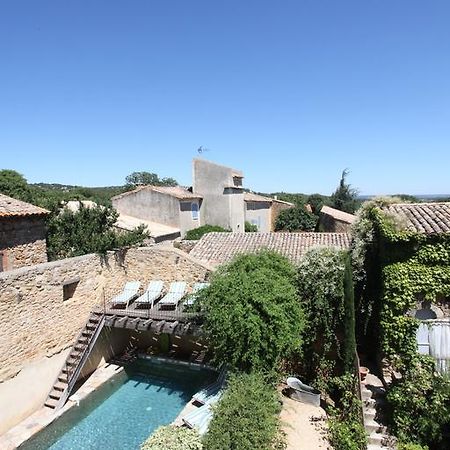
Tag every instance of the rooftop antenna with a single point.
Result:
(202, 149)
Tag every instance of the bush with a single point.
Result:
(197, 233)
(250, 227)
(420, 404)
(295, 219)
(170, 437)
(247, 416)
(253, 316)
(408, 446)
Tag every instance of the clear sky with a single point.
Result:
(290, 92)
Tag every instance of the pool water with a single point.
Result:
(125, 410)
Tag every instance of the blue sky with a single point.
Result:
(290, 92)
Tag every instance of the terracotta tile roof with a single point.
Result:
(337, 214)
(252, 197)
(174, 191)
(219, 248)
(12, 207)
(427, 218)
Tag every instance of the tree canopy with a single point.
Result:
(89, 230)
(344, 197)
(14, 185)
(253, 317)
(143, 178)
(295, 219)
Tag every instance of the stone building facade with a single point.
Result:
(22, 234)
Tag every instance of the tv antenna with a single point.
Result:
(202, 149)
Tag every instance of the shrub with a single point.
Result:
(247, 416)
(420, 404)
(408, 446)
(295, 219)
(170, 437)
(250, 227)
(253, 316)
(197, 233)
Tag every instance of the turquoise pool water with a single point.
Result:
(125, 410)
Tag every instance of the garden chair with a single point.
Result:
(192, 297)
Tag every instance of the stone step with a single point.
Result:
(372, 426)
(377, 438)
(369, 414)
(51, 403)
(60, 385)
(55, 394)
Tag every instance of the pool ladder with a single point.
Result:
(79, 354)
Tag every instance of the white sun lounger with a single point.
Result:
(175, 294)
(153, 292)
(201, 417)
(211, 391)
(192, 297)
(130, 291)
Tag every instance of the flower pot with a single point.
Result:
(363, 371)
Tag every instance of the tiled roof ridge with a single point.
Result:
(168, 190)
(338, 214)
(10, 206)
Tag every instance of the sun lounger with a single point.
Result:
(212, 390)
(175, 294)
(192, 297)
(153, 292)
(199, 418)
(130, 291)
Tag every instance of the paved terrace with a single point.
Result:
(219, 248)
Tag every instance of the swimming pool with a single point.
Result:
(125, 410)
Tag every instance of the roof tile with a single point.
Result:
(10, 207)
(426, 218)
(218, 248)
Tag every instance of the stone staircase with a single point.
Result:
(373, 397)
(75, 361)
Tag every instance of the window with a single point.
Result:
(69, 288)
(194, 211)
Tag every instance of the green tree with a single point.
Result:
(14, 185)
(317, 201)
(295, 219)
(90, 230)
(253, 317)
(345, 197)
(143, 178)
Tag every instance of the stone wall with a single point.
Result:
(35, 321)
(277, 207)
(22, 241)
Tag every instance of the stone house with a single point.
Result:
(22, 234)
(335, 221)
(216, 197)
(263, 211)
(167, 212)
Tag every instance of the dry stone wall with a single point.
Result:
(36, 322)
(22, 239)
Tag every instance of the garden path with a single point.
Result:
(304, 425)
